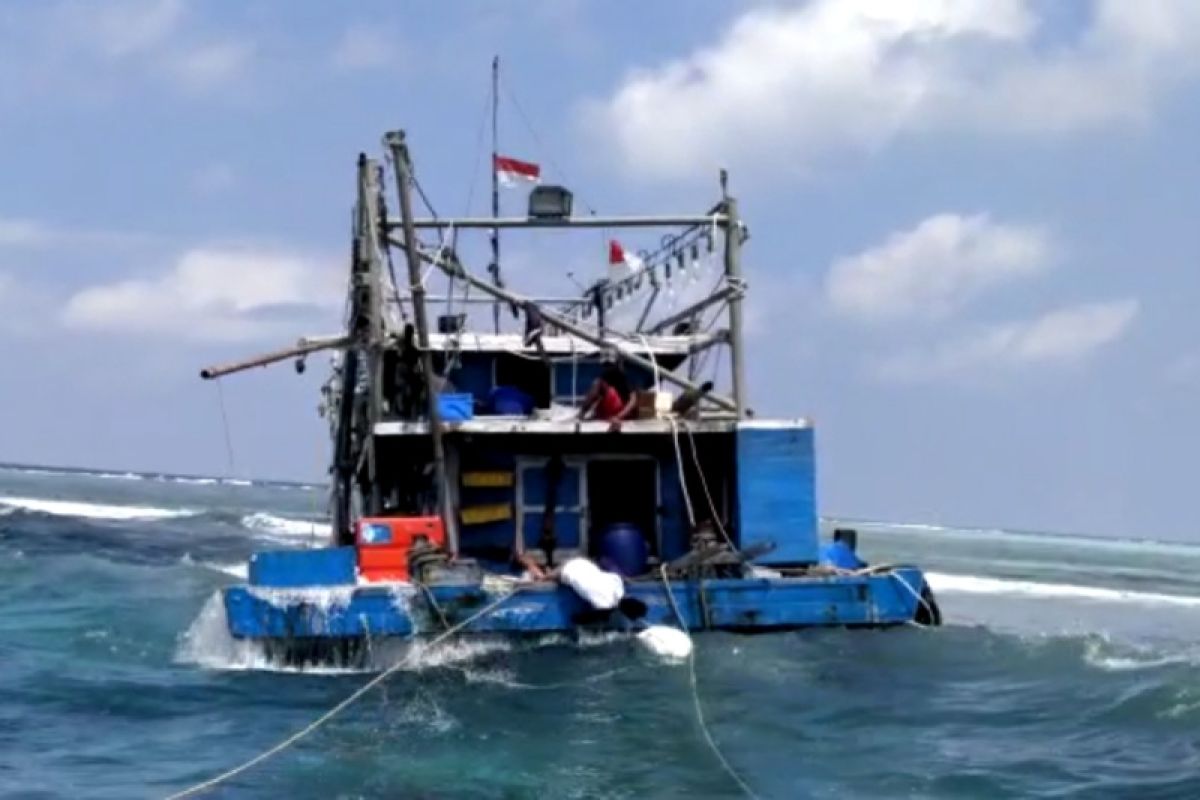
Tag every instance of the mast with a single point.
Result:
(494, 268)
(372, 212)
(733, 277)
(394, 140)
(345, 454)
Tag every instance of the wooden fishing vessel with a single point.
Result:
(463, 475)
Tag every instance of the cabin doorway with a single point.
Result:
(622, 490)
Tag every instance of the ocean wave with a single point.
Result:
(188, 481)
(1036, 538)
(117, 476)
(978, 584)
(1103, 654)
(284, 526)
(82, 510)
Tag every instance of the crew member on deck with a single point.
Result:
(609, 397)
(840, 552)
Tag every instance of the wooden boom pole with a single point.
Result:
(395, 141)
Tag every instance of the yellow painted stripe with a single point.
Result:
(487, 480)
(478, 515)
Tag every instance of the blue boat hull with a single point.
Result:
(407, 611)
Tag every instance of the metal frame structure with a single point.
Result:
(367, 337)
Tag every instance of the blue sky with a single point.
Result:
(973, 258)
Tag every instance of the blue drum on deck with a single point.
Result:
(623, 549)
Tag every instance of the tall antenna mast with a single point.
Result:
(495, 265)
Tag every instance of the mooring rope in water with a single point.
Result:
(340, 707)
(708, 737)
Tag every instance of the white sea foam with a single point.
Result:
(70, 508)
(190, 481)
(322, 599)
(208, 643)
(978, 584)
(119, 476)
(240, 571)
(1127, 657)
(284, 526)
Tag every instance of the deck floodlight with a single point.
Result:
(451, 323)
(549, 202)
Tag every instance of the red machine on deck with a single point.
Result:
(383, 544)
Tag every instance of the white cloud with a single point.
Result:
(22, 233)
(364, 47)
(934, 268)
(789, 83)
(31, 234)
(215, 295)
(210, 65)
(127, 27)
(96, 50)
(1064, 336)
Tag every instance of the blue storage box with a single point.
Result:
(456, 407)
(329, 566)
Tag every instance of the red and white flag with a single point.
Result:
(512, 171)
(619, 257)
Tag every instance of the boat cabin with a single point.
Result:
(527, 475)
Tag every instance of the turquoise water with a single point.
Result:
(1069, 667)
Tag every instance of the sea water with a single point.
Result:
(1069, 667)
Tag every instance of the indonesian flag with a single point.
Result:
(512, 171)
(619, 257)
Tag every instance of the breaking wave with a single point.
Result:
(82, 510)
(978, 584)
(284, 526)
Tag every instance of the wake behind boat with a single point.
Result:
(573, 472)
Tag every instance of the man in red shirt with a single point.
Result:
(609, 397)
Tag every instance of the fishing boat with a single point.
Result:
(469, 470)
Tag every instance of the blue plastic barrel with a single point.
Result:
(623, 549)
(510, 401)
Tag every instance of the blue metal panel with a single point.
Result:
(567, 528)
(777, 491)
(533, 486)
(287, 568)
(748, 604)
(673, 523)
(489, 535)
(473, 375)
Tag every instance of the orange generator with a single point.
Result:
(383, 544)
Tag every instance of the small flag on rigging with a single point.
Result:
(619, 257)
(511, 171)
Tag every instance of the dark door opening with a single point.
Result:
(622, 490)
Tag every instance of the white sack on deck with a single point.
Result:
(602, 590)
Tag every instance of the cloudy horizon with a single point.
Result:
(972, 258)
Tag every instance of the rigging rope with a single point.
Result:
(708, 737)
(225, 429)
(704, 484)
(204, 786)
